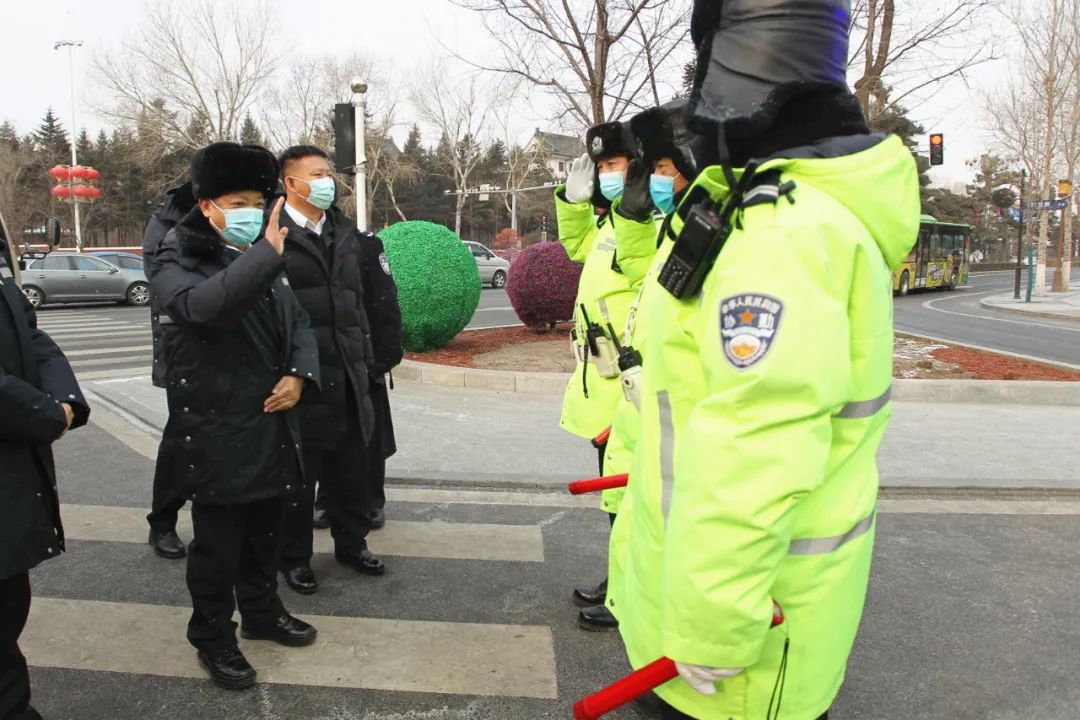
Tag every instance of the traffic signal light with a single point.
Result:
(937, 149)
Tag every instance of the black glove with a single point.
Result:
(636, 203)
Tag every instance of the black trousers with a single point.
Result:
(233, 561)
(14, 678)
(341, 474)
(168, 497)
(670, 713)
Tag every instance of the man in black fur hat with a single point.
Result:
(237, 359)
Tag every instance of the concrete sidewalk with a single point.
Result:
(469, 436)
(1053, 305)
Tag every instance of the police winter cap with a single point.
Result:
(754, 55)
(661, 132)
(226, 167)
(609, 139)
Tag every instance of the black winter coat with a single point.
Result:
(332, 293)
(236, 330)
(177, 204)
(384, 317)
(35, 378)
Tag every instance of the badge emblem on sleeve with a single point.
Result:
(748, 327)
(385, 263)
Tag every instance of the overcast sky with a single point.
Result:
(402, 34)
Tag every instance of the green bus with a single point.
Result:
(938, 260)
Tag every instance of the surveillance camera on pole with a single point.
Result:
(359, 101)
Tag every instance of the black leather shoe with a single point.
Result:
(301, 579)
(228, 669)
(378, 519)
(587, 597)
(363, 561)
(167, 544)
(288, 630)
(649, 705)
(319, 520)
(597, 619)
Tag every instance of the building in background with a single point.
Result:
(558, 151)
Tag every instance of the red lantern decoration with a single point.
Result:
(78, 172)
(92, 174)
(94, 193)
(82, 191)
(60, 172)
(61, 192)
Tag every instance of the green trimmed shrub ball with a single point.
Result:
(437, 280)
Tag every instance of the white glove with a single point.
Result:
(704, 679)
(579, 182)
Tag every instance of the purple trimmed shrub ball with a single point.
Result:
(542, 285)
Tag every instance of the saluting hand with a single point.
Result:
(286, 393)
(275, 235)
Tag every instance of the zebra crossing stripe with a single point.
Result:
(351, 652)
(441, 540)
(109, 351)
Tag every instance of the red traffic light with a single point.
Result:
(937, 139)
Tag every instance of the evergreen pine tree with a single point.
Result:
(8, 135)
(249, 132)
(51, 140)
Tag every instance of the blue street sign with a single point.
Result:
(1058, 204)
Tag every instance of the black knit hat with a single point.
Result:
(662, 133)
(226, 167)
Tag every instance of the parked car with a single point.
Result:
(493, 269)
(64, 277)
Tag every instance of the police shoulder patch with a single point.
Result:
(385, 263)
(748, 327)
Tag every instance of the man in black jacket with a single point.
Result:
(323, 257)
(168, 498)
(237, 356)
(39, 402)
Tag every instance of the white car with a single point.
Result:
(493, 269)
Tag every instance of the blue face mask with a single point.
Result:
(611, 185)
(322, 192)
(662, 190)
(242, 225)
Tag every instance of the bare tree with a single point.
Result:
(1069, 132)
(903, 48)
(197, 68)
(598, 59)
(461, 110)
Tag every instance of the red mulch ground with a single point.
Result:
(463, 350)
(985, 366)
(467, 345)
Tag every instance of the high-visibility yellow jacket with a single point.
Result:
(609, 283)
(764, 401)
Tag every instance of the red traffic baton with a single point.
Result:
(580, 487)
(601, 440)
(638, 683)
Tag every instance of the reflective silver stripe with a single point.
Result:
(606, 246)
(865, 408)
(604, 312)
(826, 545)
(667, 453)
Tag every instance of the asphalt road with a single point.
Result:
(967, 616)
(494, 311)
(958, 316)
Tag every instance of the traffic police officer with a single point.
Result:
(608, 285)
(766, 381)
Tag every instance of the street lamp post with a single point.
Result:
(359, 101)
(1020, 238)
(71, 45)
